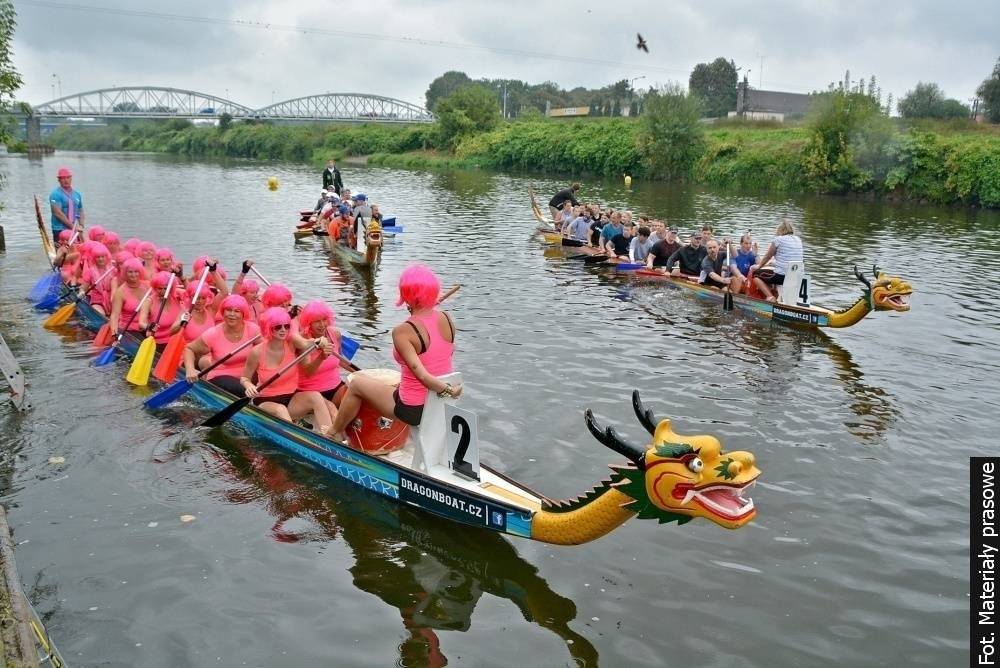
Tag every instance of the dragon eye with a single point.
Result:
(695, 464)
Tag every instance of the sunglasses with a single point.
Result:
(281, 328)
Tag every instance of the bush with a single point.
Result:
(839, 118)
(671, 138)
(467, 111)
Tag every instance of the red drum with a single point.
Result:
(370, 432)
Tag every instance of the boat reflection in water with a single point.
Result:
(431, 570)
(770, 357)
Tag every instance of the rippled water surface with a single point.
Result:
(857, 557)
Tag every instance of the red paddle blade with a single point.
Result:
(170, 359)
(103, 337)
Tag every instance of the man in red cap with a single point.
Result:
(67, 204)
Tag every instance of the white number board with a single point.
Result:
(462, 430)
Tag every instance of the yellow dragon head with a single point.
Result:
(373, 233)
(887, 293)
(678, 478)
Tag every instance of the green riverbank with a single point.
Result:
(934, 162)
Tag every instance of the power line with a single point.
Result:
(352, 34)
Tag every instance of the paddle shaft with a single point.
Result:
(229, 356)
(137, 309)
(258, 275)
(283, 370)
(201, 284)
(163, 304)
(450, 292)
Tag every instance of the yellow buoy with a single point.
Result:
(628, 180)
(272, 182)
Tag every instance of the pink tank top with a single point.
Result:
(220, 346)
(171, 312)
(287, 383)
(194, 329)
(436, 359)
(327, 374)
(130, 304)
(101, 294)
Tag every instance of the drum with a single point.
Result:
(371, 432)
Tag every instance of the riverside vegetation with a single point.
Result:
(847, 145)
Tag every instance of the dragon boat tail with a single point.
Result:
(674, 478)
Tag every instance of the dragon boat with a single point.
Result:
(373, 247)
(880, 293)
(435, 468)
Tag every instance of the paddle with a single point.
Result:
(629, 266)
(66, 311)
(170, 359)
(595, 259)
(395, 229)
(727, 296)
(138, 373)
(108, 356)
(52, 295)
(232, 409)
(49, 282)
(176, 389)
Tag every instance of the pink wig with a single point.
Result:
(111, 238)
(65, 236)
(123, 256)
(163, 254)
(87, 248)
(160, 280)
(132, 245)
(248, 287)
(100, 250)
(206, 294)
(235, 302)
(146, 247)
(418, 287)
(313, 311)
(95, 233)
(276, 295)
(199, 266)
(132, 264)
(272, 317)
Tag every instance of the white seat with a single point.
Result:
(430, 437)
(789, 291)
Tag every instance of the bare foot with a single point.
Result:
(771, 299)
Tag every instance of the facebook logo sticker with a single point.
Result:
(497, 518)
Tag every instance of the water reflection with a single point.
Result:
(432, 571)
(770, 354)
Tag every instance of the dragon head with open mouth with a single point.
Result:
(678, 478)
(887, 293)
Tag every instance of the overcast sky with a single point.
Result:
(256, 49)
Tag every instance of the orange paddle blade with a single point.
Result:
(170, 358)
(103, 337)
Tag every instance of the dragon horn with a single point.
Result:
(609, 438)
(876, 271)
(861, 277)
(645, 415)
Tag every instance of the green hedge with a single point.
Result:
(941, 164)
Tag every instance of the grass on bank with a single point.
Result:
(936, 161)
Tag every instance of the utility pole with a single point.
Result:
(760, 74)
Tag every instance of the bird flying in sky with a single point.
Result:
(641, 43)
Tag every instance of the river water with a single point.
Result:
(858, 555)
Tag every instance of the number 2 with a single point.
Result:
(460, 427)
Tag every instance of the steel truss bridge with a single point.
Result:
(153, 102)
